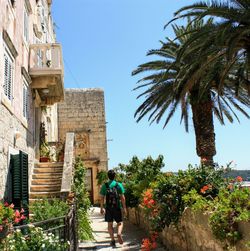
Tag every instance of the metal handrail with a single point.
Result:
(67, 231)
(36, 224)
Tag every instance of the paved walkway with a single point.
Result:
(132, 235)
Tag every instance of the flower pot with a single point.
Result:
(44, 159)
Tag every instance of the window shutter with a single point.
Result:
(10, 81)
(24, 182)
(25, 100)
(26, 24)
(8, 76)
(16, 180)
(20, 181)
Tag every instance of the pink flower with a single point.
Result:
(11, 205)
(23, 217)
(239, 179)
(17, 213)
(17, 220)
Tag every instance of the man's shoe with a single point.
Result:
(112, 244)
(120, 240)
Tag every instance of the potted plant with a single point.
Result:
(60, 151)
(44, 152)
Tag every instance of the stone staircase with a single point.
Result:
(46, 181)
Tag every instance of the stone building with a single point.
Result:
(31, 77)
(83, 113)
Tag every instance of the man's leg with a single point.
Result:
(109, 219)
(111, 233)
(119, 232)
(118, 219)
(119, 228)
(111, 230)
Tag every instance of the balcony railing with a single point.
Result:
(46, 71)
(45, 58)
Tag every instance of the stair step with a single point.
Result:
(42, 195)
(47, 176)
(46, 181)
(49, 164)
(45, 188)
(48, 170)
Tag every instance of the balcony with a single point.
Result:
(46, 72)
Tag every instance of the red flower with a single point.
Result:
(146, 244)
(23, 217)
(205, 188)
(239, 179)
(1, 228)
(17, 220)
(154, 245)
(17, 213)
(6, 204)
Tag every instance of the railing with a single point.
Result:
(45, 57)
(65, 227)
(68, 165)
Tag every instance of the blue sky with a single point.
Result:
(103, 42)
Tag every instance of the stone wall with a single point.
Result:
(83, 113)
(192, 233)
(10, 125)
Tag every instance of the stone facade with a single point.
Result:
(83, 113)
(22, 24)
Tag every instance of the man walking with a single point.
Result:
(115, 201)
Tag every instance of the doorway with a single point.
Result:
(89, 183)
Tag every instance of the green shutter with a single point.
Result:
(24, 181)
(16, 180)
(20, 181)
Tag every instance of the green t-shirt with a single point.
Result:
(113, 183)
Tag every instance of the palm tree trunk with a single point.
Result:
(204, 128)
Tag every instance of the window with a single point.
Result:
(25, 100)
(8, 74)
(26, 24)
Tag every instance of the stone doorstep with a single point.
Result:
(47, 176)
(45, 188)
(36, 181)
(49, 164)
(48, 170)
(42, 195)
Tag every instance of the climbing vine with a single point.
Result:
(83, 203)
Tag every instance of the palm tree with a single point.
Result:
(177, 81)
(231, 32)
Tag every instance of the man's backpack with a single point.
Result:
(112, 196)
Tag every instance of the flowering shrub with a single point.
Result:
(150, 243)
(9, 216)
(231, 206)
(35, 240)
(171, 188)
